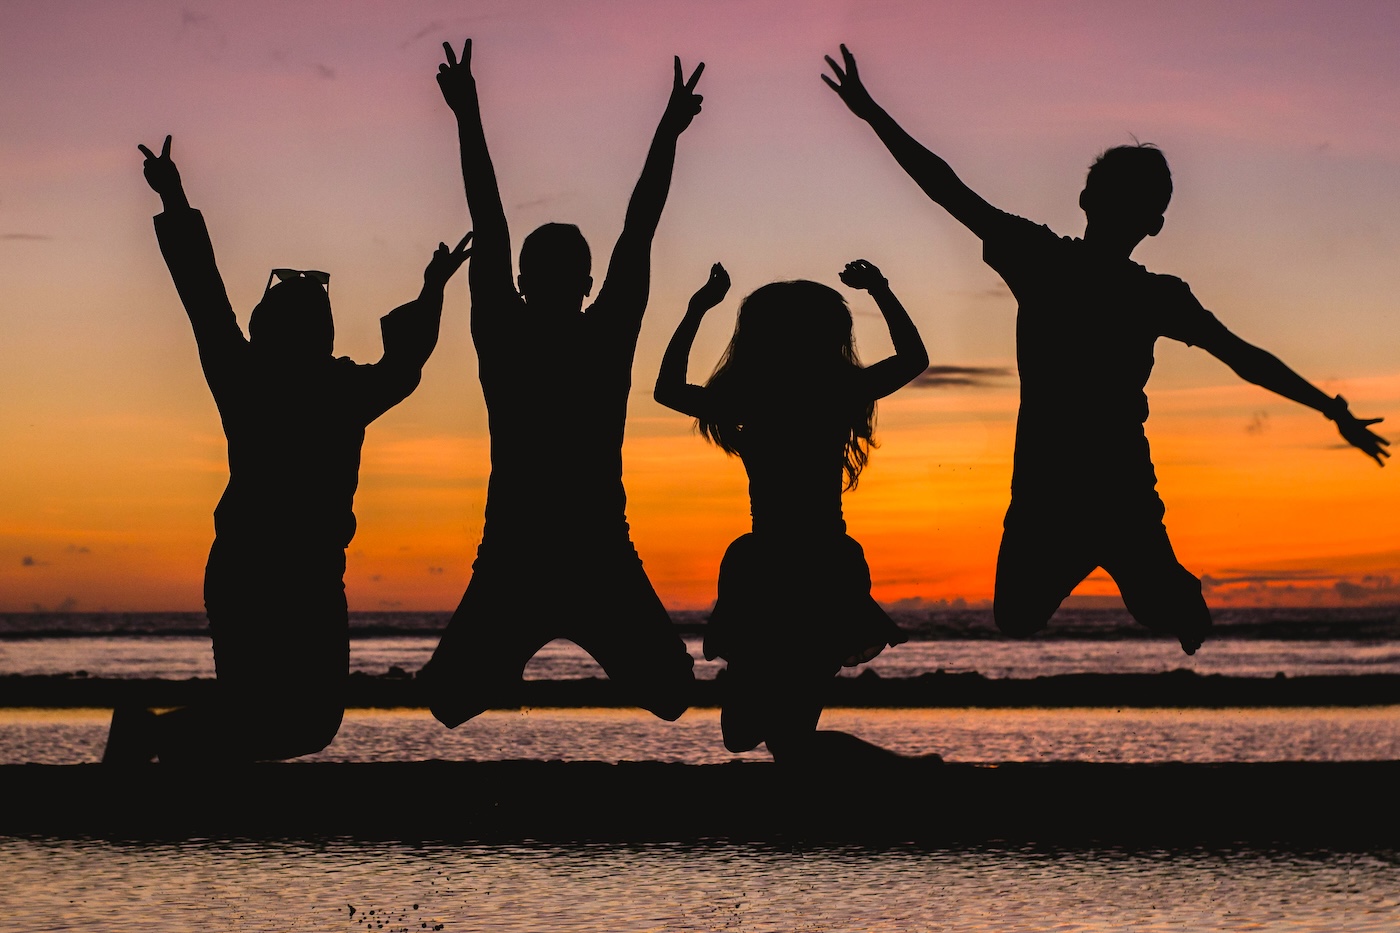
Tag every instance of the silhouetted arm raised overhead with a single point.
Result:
(628, 280)
(1262, 368)
(929, 171)
(910, 358)
(672, 389)
(410, 333)
(491, 273)
(189, 254)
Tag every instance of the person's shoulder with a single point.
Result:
(1007, 224)
(1169, 288)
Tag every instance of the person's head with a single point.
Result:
(788, 333)
(783, 326)
(1128, 189)
(555, 267)
(293, 320)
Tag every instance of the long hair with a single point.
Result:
(786, 331)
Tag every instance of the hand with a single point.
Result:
(684, 103)
(455, 78)
(161, 173)
(1358, 433)
(848, 86)
(713, 291)
(445, 262)
(863, 275)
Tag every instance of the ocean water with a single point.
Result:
(342, 884)
(77, 736)
(1249, 643)
(350, 885)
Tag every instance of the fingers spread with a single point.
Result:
(699, 70)
(146, 152)
(678, 78)
(165, 150)
(451, 55)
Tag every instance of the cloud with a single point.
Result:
(78, 549)
(435, 27)
(436, 570)
(1258, 423)
(1263, 578)
(1371, 587)
(190, 17)
(938, 377)
(29, 560)
(539, 202)
(325, 71)
(25, 236)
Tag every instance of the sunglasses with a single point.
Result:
(286, 275)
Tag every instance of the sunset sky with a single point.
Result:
(312, 134)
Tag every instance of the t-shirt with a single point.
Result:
(1084, 346)
(556, 399)
(294, 433)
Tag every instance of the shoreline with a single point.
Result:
(1173, 689)
(1334, 805)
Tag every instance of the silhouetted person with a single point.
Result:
(790, 398)
(556, 378)
(1083, 489)
(295, 419)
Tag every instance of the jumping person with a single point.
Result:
(790, 398)
(1083, 488)
(295, 419)
(556, 377)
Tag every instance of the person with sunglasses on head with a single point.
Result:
(295, 417)
(556, 377)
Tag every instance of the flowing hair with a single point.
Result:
(808, 325)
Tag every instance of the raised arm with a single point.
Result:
(672, 389)
(628, 279)
(910, 358)
(929, 172)
(1262, 368)
(491, 271)
(189, 255)
(410, 332)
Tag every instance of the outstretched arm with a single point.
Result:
(189, 255)
(628, 279)
(929, 172)
(491, 273)
(672, 389)
(1264, 369)
(910, 358)
(410, 332)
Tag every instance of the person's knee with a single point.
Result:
(307, 730)
(669, 697)
(1018, 619)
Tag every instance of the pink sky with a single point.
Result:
(312, 134)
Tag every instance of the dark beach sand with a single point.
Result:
(1183, 689)
(1334, 805)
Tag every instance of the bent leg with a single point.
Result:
(634, 641)
(280, 629)
(1040, 562)
(479, 662)
(1158, 591)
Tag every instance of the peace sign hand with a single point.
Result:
(455, 78)
(684, 103)
(161, 173)
(445, 262)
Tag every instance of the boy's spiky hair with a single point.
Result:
(1137, 173)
